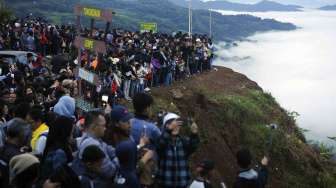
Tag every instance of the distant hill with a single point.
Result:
(262, 6)
(329, 7)
(170, 17)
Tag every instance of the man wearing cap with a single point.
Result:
(204, 170)
(126, 148)
(174, 151)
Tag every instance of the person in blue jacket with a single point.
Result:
(141, 125)
(126, 148)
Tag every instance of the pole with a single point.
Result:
(189, 18)
(191, 21)
(210, 24)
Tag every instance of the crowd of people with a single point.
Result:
(46, 141)
(134, 61)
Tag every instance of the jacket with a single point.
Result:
(173, 159)
(140, 126)
(87, 178)
(53, 160)
(251, 179)
(126, 152)
(110, 163)
(39, 136)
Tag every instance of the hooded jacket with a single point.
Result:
(65, 107)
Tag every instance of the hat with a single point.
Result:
(20, 163)
(169, 116)
(120, 113)
(67, 83)
(63, 71)
(115, 60)
(198, 40)
(207, 165)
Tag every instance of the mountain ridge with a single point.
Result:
(170, 17)
(328, 7)
(262, 6)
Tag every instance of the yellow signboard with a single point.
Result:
(92, 12)
(96, 13)
(88, 44)
(147, 27)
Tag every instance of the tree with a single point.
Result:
(5, 13)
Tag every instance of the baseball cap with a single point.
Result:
(170, 116)
(120, 113)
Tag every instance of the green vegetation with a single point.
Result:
(243, 119)
(5, 13)
(170, 17)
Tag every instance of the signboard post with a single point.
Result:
(148, 27)
(90, 45)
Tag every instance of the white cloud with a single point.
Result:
(297, 67)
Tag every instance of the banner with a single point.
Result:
(96, 13)
(90, 44)
(88, 76)
(147, 27)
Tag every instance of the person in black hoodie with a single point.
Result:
(204, 172)
(248, 177)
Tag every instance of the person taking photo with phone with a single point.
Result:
(174, 151)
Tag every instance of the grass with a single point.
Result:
(252, 112)
(248, 109)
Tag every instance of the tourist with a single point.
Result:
(204, 171)
(95, 126)
(24, 171)
(248, 177)
(174, 151)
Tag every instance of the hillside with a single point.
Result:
(329, 7)
(169, 17)
(262, 6)
(232, 112)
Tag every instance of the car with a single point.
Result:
(12, 57)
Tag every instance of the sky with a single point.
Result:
(306, 3)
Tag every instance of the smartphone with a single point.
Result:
(105, 98)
